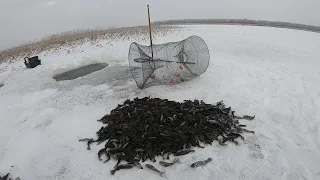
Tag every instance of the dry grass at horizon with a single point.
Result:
(78, 37)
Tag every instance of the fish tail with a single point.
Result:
(176, 160)
(112, 172)
(162, 174)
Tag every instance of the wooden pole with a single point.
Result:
(150, 32)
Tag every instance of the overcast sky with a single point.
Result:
(26, 20)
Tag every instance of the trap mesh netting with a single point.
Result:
(172, 62)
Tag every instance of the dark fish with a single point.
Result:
(167, 164)
(245, 130)
(5, 177)
(144, 157)
(88, 140)
(228, 110)
(122, 166)
(108, 157)
(232, 114)
(100, 153)
(149, 166)
(236, 135)
(200, 163)
(183, 152)
(231, 139)
(137, 164)
(248, 117)
(245, 117)
(220, 142)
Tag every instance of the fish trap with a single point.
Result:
(169, 63)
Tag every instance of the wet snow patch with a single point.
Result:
(80, 72)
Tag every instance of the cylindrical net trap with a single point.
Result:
(172, 62)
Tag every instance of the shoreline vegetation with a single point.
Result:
(63, 40)
(78, 37)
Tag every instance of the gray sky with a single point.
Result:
(26, 20)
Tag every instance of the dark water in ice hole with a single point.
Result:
(80, 72)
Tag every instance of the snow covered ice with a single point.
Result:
(272, 73)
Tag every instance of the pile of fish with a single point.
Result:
(145, 128)
(6, 177)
